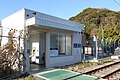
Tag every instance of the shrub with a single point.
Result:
(8, 55)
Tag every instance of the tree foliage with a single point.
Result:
(97, 21)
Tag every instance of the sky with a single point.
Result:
(59, 8)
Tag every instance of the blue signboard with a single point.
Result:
(76, 45)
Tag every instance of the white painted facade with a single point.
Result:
(42, 27)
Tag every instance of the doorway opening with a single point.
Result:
(38, 49)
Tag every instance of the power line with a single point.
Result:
(116, 2)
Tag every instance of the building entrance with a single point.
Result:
(38, 48)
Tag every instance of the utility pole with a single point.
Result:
(102, 42)
(114, 45)
(106, 47)
(95, 47)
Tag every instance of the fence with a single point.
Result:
(100, 50)
(11, 55)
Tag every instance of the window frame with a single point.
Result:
(58, 38)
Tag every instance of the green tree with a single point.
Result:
(96, 19)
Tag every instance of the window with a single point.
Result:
(68, 45)
(53, 42)
(62, 43)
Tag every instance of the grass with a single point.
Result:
(105, 61)
(73, 67)
(83, 65)
(26, 77)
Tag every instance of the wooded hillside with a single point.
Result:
(98, 21)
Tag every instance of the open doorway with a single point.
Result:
(38, 49)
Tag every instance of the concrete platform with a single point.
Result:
(115, 57)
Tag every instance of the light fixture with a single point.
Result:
(34, 13)
(27, 15)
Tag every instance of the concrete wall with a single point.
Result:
(61, 61)
(64, 59)
(51, 21)
(54, 24)
(14, 21)
(74, 58)
(77, 46)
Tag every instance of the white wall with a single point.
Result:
(17, 21)
(77, 50)
(61, 61)
(66, 60)
(51, 21)
(43, 18)
(14, 21)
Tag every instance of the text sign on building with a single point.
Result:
(76, 45)
(53, 52)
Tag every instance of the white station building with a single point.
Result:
(52, 40)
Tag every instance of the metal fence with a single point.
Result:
(100, 50)
(11, 56)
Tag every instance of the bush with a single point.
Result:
(8, 55)
(26, 77)
(82, 65)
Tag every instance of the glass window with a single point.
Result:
(53, 42)
(68, 45)
(61, 44)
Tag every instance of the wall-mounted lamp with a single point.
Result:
(34, 13)
(27, 15)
